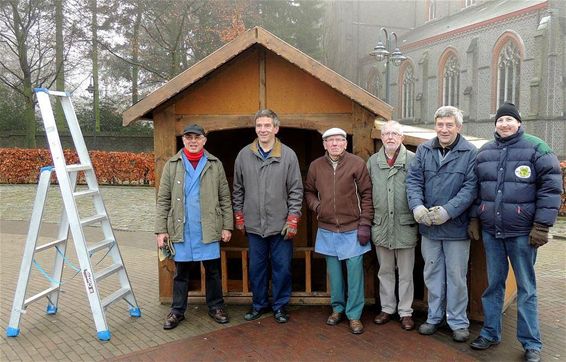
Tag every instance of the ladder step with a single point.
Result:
(106, 243)
(93, 219)
(98, 276)
(49, 245)
(40, 295)
(117, 295)
(83, 193)
(78, 167)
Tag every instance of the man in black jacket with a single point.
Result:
(519, 196)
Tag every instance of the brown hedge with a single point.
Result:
(19, 166)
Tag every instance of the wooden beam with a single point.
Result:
(165, 144)
(221, 122)
(224, 270)
(362, 122)
(262, 79)
(308, 271)
(202, 278)
(245, 288)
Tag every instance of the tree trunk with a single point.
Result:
(96, 94)
(59, 63)
(135, 54)
(29, 112)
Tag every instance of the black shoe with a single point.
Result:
(254, 314)
(219, 315)
(281, 315)
(482, 343)
(173, 321)
(532, 355)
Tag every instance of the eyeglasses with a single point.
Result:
(193, 137)
(391, 134)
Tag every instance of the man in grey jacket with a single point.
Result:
(441, 186)
(394, 230)
(268, 194)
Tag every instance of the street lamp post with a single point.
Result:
(383, 53)
(90, 89)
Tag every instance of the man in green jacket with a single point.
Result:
(194, 213)
(394, 230)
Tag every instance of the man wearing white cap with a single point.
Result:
(338, 189)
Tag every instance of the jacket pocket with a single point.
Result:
(219, 222)
(407, 219)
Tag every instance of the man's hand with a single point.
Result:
(290, 229)
(226, 235)
(161, 239)
(364, 234)
(240, 224)
(539, 235)
(438, 215)
(422, 215)
(474, 229)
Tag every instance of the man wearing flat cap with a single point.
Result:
(193, 215)
(519, 196)
(338, 190)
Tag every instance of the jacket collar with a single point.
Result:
(178, 156)
(510, 139)
(275, 151)
(339, 160)
(400, 161)
(463, 144)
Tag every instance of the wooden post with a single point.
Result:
(245, 271)
(362, 124)
(165, 144)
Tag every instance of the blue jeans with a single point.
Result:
(445, 270)
(280, 252)
(522, 255)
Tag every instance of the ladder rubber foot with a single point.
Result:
(51, 309)
(135, 312)
(12, 332)
(103, 335)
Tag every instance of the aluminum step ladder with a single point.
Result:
(67, 176)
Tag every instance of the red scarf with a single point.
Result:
(193, 158)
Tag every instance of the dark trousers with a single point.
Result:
(213, 285)
(280, 252)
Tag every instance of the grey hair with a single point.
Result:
(449, 111)
(393, 124)
(269, 114)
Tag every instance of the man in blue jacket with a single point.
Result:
(441, 186)
(519, 196)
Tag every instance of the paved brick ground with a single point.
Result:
(70, 334)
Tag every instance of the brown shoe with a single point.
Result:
(356, 326)
(172, 321)
(407, 323)
(382, 318)
(334, 319)
(219, 315)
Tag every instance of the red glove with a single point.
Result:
(290, 229)
(240, 224)
(364, 234)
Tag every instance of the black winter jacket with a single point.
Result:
(519, 184)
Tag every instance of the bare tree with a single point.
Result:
(27, 61)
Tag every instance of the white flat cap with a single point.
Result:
(334, 132)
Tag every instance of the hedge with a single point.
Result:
(21, 166)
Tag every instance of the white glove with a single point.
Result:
(439, 215)
(422, 215)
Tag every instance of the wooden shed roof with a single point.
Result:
(257, 35)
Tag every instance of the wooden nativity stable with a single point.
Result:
(222, 92)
